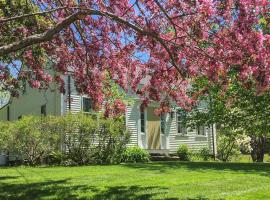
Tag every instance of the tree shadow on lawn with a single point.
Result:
(25, 191)
(163, 167)
(61, 189)
(131, 193)
(2, 178)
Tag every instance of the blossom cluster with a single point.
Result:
(153, 48)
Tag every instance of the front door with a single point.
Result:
(153, 129)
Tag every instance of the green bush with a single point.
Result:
(78, 133)
(93, 139)
(70, 140)
(184, 153)
(111, 140)
(228, 147)
(30, 139)
(135, 154)
(55, 158)
(205, 153)
(5, 136)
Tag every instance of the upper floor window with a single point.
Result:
(142, 122)
(162, 123)
(201, 130)
(181, 122)
(86, 104)
(43, 110)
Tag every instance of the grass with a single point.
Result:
(248, 159)
(161, 180)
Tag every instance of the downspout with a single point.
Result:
(213, 134)
(213, 139)
(69, 93)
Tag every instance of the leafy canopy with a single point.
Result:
(162, 44)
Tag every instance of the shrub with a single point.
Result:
(227, 147)
(244, 143)
(135, 154)
(70, 140)
(184, 153)
(78, 133)
(111, 141)
(205, 153)
(5, 136)
(93, 139)
(55, 158)
(30, 139)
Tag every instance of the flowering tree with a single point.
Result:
(165, 43)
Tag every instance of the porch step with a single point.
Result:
(158, 151)
(156, 157)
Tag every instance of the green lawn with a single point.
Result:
(248, 159)
(168, 180)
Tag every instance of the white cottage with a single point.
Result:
(156, 134)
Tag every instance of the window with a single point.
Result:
(86, 105)
(43, 110)
(142, 122)
(201, 130)
(162, 123)
(172, 114)
(181, 122)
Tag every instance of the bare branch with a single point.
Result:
(39, 38)
(168, 17)
(30, 15)
(81, 14)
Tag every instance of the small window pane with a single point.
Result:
(201, 130)
(8, 113)
(181, 122)
(43, 110)
(87, 105)
(162, 124)
(142, 122)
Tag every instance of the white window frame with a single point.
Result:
(82, 105)
(163, 118)
(178, 122)
(198, 129)
(144, 116)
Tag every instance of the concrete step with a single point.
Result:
(164, 158)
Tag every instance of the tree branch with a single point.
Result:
(30, 15)
(82, 13)
(39, 38)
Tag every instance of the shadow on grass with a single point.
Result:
(52, 189)
(131, 193)
(163, 167)
(8, 177)
(61, 189)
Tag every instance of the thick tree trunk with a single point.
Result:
(258, 144)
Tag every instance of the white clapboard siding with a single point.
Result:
(75, 103)
(194, 141)
(132, 117)
(172, 138)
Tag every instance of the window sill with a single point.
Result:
(202, 136)
(182, 135)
